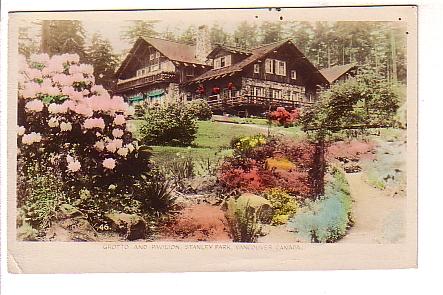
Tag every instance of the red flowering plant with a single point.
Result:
(274, 163)
(283, 117)
(75, 131)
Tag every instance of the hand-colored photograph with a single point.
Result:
(181, 126)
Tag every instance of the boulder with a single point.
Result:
(70, 225)
(131, 226)
(259, 204)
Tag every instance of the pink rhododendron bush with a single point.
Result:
(73, 134)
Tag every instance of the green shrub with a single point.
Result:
(327, 219)
(283, 204)
(44, 194)
(155, 194)
(199, 109)
(244, 217)
(170, 124)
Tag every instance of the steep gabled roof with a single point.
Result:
(175, 51)
(335, 72)
(256, 54)
(231, 49)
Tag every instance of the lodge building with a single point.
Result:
(231, 79)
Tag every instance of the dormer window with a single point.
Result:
(222, 61)
(256, 68)
(151, 56)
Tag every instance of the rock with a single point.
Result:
(132, 226)
(70, 224)
(259, 204)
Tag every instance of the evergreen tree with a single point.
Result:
(100, 55)
(63, 36)
(271, 32)
(188, 36)
(245, 35)
(218, 35)
(26, 44)
(140, 28)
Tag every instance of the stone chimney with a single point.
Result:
(203, 44)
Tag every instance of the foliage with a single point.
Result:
(249, 170)
(75, 131)
(247, 143)
(100, 55)
(217, 35)
(245, 35)
(366, 100)
(351, 150)
(244, 220)
(63, 36)
(199, 109)
(198, 223)
(388, 169)
(170, 124)
(26, 44)
(155, 194)
(285, 118)
(40, 198)
(139, 28)
(284, 205)
(327, 219)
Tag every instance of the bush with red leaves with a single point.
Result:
(352, 150)
(285, 118)
(249, 172)
(198, 223)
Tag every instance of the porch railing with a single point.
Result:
(217, 102)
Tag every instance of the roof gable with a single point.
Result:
(335, 72)
(175, 51)
(256, 54)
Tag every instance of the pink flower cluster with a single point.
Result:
(35, 105)
(91, 123)
(31, 138)
(72, 105)
(73, 165)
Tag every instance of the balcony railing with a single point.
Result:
(219, 102)
(160, 76)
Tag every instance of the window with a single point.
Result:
(280, 68)
(139, 73)
(294, 74)
(189, 71)
(258, 91)
(223, 61)
(157, 54)
(276, 93)
(155, 67)
(269, 66)
(217, 63)
(256, 68)
(151, 56)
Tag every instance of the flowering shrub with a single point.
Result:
(283, 204)
(246, 143)
(73, 128)
(352, 150)
(256, 167)
(283, 117)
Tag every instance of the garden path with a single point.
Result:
(378, 217)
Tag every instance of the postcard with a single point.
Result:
(212, 140)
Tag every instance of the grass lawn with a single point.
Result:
(213, 139)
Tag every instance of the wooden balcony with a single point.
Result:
(218, 102)
(136, 82)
